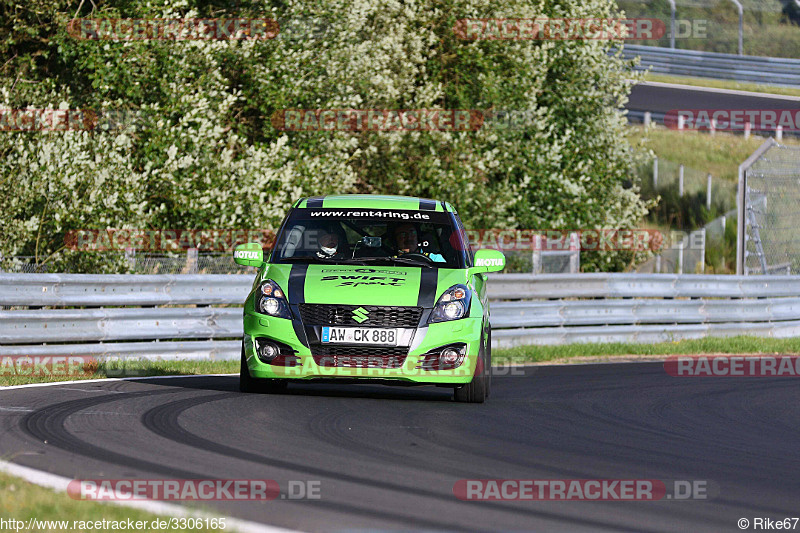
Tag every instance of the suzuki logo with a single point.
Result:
(360, 315)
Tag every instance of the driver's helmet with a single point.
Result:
(329, 241)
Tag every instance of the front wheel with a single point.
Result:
(248, 383)
(476, 390)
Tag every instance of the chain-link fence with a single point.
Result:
(769, 233)
(687, 181)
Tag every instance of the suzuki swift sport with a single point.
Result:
(382, 288)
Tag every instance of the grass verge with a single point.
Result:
(719, 154)
(24, 501)
(709, 345)
(113, 369)
(723, 84)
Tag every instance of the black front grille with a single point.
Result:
(377, 316)
(359, 356)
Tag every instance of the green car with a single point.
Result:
(361, 287)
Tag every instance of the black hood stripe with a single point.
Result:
(297, 284)
(429, 279)
(297, 296)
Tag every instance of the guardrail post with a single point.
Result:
(680, 255)
(575, 254)
(747, 128)
(658, 264)
(708, 192)
(779, 133)
(713, 128)
(647, 118)
(537, 254)
(680, 181)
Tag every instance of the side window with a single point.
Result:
(470, 252)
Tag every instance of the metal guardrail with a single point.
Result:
(122, 289)
(756, 69)
(139, 316)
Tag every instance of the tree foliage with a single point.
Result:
(203, 153)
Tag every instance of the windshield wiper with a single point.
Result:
(400, 260)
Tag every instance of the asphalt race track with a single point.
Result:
(658, 98)
(387, 458)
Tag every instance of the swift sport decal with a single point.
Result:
(355, 281)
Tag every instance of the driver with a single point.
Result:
(405, 237)
(328, 242)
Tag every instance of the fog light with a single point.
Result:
(449, 356)
(267, 351)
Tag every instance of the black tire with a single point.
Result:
(476, 390)
(248, 383)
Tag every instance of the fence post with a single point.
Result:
(741, 25)
(671, 23)
(713, 128)
(191, 260)
(537, 254)
(574, 254)
(658, 264)
(680, 181)
(708, 192)
(779, 133)
(655, 173)
(647, 118)
(130, 257)
(747, 128)
(703, 254)
(680, 255)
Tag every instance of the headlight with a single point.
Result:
(270, 300)
(452, 305)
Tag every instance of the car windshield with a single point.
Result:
(427, 239)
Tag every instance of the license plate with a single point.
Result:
(382, 336)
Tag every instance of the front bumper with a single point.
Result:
(302, 364)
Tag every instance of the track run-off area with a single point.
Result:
(388, 458)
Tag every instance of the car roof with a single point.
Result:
(373, 201)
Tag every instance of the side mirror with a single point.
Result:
(249, 254)
(488, 261)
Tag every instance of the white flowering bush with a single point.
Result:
(204, 153)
